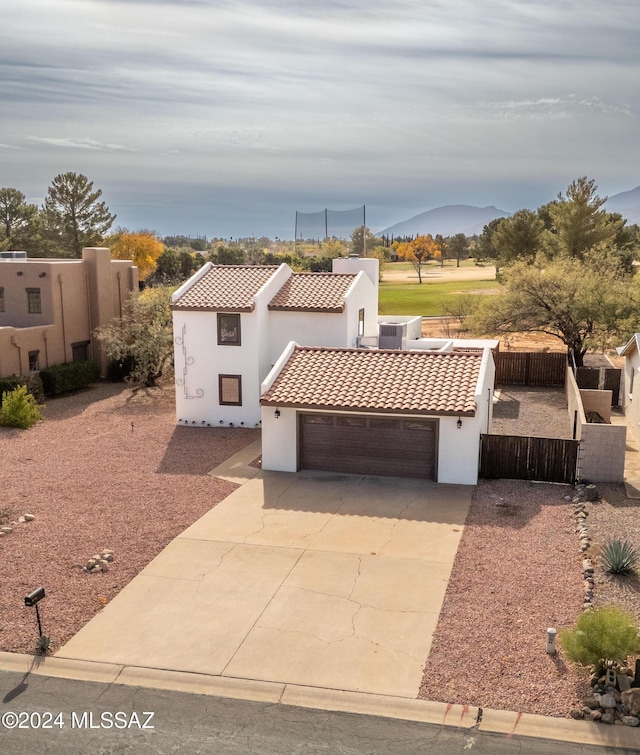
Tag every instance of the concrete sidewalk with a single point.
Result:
(310, 579)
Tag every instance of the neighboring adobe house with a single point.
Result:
(630, 398)
(49, 308)
(231, 323)
(378, 412)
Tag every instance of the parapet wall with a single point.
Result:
(602, 446)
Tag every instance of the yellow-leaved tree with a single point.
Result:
(418, 252)
(143, 248)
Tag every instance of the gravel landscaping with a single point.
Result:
(107, 469)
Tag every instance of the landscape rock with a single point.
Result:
(596, 715)
(631, 720)
(6, 529)
(607, 701)
(607, 718)
(631, 698)
(29, 517)
(576, 713)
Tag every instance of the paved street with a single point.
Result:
(200, 724)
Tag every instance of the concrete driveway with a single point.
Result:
(310, 579)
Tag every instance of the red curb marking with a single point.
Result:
(518, 717)
(465, 710)
(446, 713)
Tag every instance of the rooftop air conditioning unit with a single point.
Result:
(392, 335)
(4, 256)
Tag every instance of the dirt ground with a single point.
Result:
(108, 468)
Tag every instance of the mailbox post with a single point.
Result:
(32, 599)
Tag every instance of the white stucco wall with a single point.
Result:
(279, 440)
(631, 393)
(459, 449)
(198, 362)
(325, 329)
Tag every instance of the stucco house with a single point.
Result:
(231, 323)
(630, 396)
(333, 385)
(50, 308)
(377, 411)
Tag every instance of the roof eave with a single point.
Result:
(366, 410)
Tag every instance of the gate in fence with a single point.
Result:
(519, 457)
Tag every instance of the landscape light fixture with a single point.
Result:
(276, 414)
(551, 640)
(32, 599)
(459, 423)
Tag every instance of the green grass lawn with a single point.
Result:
(426, 299)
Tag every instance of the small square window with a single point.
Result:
(230, 389)
(228, 329)
(80, 351)
(34, 303)
(361, 323)
(33, 361)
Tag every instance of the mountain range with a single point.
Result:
(470, 220)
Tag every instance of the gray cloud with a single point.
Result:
(281, 103)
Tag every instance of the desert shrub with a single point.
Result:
(62, 378)
(619, 556)
(32, 381)
(19, 408)
(601, 635)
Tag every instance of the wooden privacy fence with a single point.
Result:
(530, 368)
(519, 457)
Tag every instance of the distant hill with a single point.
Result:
(447, 220)
(627, 203)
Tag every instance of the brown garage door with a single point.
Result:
(357, 444)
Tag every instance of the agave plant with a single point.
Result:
(619, 556)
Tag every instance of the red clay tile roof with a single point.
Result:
(378, 380)
(226, 287)
(313, 292)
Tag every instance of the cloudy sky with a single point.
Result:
(224, 118)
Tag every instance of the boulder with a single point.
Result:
(607, 701)
(631, 698)
(631, 720)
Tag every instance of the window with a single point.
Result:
(33, 361)
(34, 303)
(228, 329)
(80, 351)
(1, 299)
(230, 389)
(361, 323)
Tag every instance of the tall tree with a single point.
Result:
(418, 252)
(518, 237)
(18, 221)
(458, 247)
(578, 221)
(485, 249)
(143, 337)
(143, 248)
(582, 303)
(363, 241)
(73, 215)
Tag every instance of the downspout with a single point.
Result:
(64, 331)
(46, 348)
(13, 343)
(119, 297)
(89, 321)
